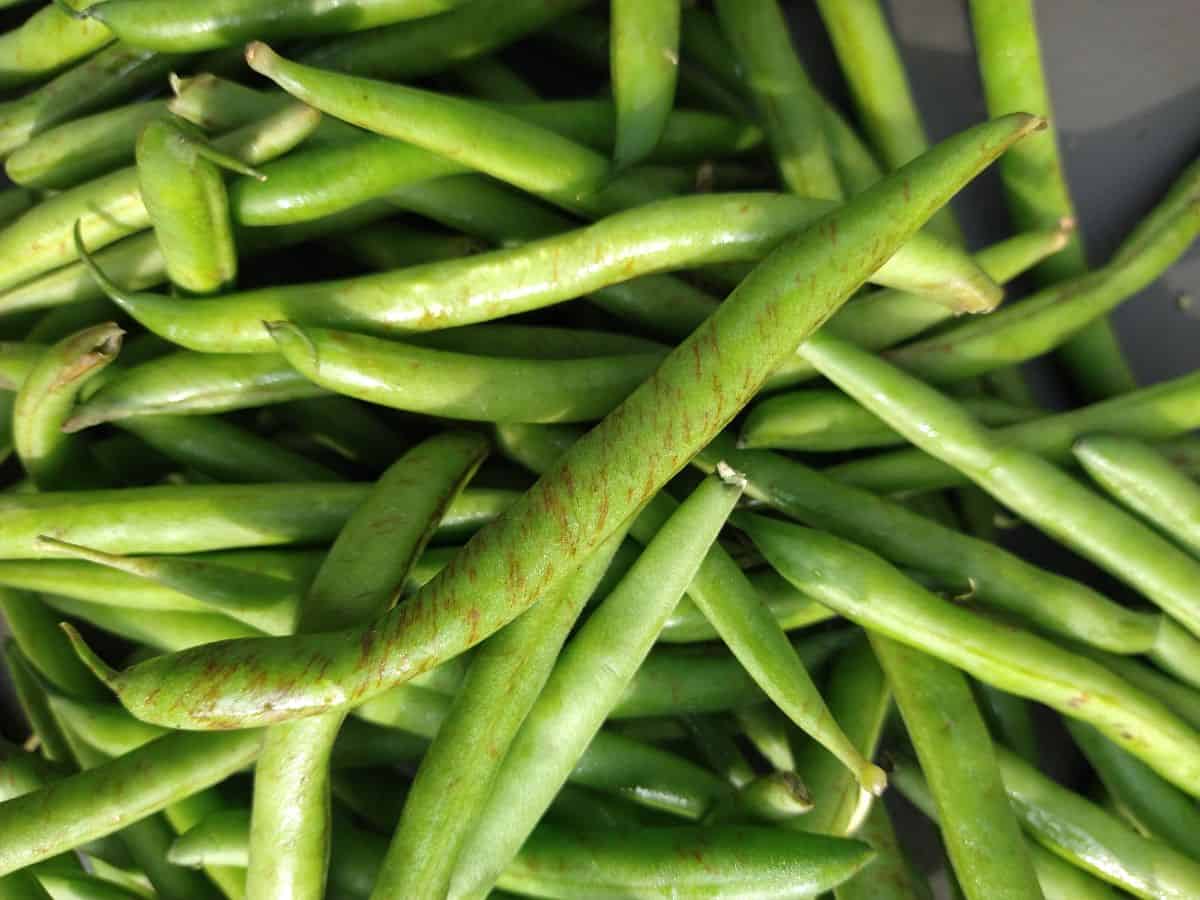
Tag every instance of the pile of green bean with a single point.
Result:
(414, 488)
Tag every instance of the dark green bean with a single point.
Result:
(31, 694)
(645, 60)
(35, 629)
(394, 245)
(490, 78)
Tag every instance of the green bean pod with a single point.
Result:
(600, 482)
(35, 704)
(461, 386)
(1092, 839)
(47, 42)
(829, 421)
(1104, 533)
(75, 151)
(54, 460)
(869, 592)
(780, 89)
(393, 245)
(1146, 482)
(890, 875)
(183, 190)
(82, 887)
(1181, 699)
(790, 608)
(645, 61)
(1160, 411)
(490, 78)
(116, 72)
(111, 207)
(167, 631)
(35, 629)
(663, 235)
(174, 27)
(958, 758)
(13, 202)
(587, 681)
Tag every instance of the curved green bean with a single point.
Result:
(54, 460)
(47, 42)
(595, 487)
(829, 421)
(587, 681)
(645, 61)
(35, 629)
(31, 695)
(958, 758)
(868, 591)
(1154, 413)
(1143, 480)
(1030, 486)
(168, 631)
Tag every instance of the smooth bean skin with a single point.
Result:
(54, 460)
(600, 482)
(31, 695)
(1030, 486)
(460, 386)
(1144, 481)
(645, 61)
(188, 27)
(789, 607)
(1154, 413)
(959, 760)
(167, 631)
(829, 421)
(48, 41)
(1092, 839)
(588, 679)
(869, 592)
(35, 629)
(83, 148)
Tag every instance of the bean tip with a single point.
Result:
(259, 56)
(89, 657)
(873, 780)
(731, 476)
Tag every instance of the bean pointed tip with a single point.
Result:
(89, 657)
(731, 476)
(873, 780)
(260, 57)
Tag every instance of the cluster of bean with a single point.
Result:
(344, 527)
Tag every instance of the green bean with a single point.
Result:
(290, 826)
(13, 202)
(169, 631)
(663, 235)
(393, 245)
(82, 887)
(727, 598)
(1010, 64)
(459, 386)
(1181, 699)
(593, 495)
(84, 148)
(787, 606)
(111, 207)
(36, 632)
(47, 42)
(767, 730)
(176, 27)
(411, 49)
(104, 799)
(535, 342)
(105, 727)
(1043, 321)
(1154, 413)
(868, 591)
(1108, 536)
(959, 760)
(17, 359)
(24, 771)
(1009, 720)
(890, 875)
(462, 768)
(217, 105)
(645, 59)
(31, 695)
(829, 421)
(113, 74)
(773, 798)
(1145, 482)
(587, 681)
(490, 78)
(1081, 832)
(874, 72)
(183, 190)
(1184, 454)
(785, 99)
(52, 459)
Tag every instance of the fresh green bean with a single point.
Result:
(535, 342)
(35, 629)
(182, 27)
(394, 245)
(586, 496)
(788, 607)
(113, 74)
(829, 421)
(460, 386)
(1107, 535)
(169, 631)
(52, 459)
(1009, 719)
(1010, 64)
(1184, 454)
(13, 202)
(1160, 411)
(774, 798)
(1181, 699)
(1143, 480)
(869, 592)
(183, 190)
(47, 42)
(780, 89)
(645, 60)
(658, 236)
(104, 799)
(1043, 321)
(290, 825)
(586, 683)
(859, 698)
(890, 875)
(75, 151)
(957, 755)
(490, 78)
(1081, 832)
(82, 887)
(31, 694)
